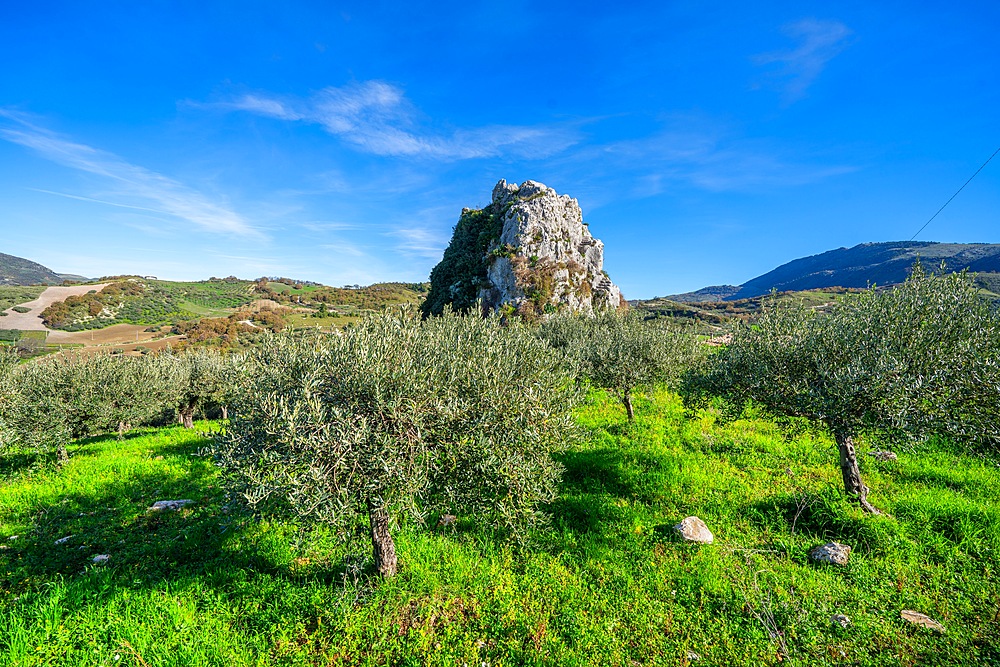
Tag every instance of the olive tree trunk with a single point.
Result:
(62, 456)
(627, 402)
(383, 548)
(225, 412)
(187, 417)
(853, 486)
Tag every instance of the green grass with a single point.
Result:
(282, 288)
(211, 295)
(607, 584)
(204, 311)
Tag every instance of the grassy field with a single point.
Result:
(216, 295)
(608, 584)
(12, 295)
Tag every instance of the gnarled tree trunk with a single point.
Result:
(383, 548)
(627, 401)
(62, 456)
(225, 412)
(853, 486)
(187, 417)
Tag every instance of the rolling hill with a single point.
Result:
(860, 266)
(20, 271)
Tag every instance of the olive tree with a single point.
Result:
(8, 362)
(919, 359)
(56, 399)
(621, 352)
(203, 379)
(396, 417)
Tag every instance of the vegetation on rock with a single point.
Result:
(461, 273)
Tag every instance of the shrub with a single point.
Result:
(400, 417)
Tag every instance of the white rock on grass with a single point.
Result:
(842, 620)
(923, 620)
(693, 529)
(885, 455)
(100, 558)
(834, 553)
(64, 540)
(169, 505)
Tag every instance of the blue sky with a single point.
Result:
(706, 142)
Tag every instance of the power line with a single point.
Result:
(956, 193)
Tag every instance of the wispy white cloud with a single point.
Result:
(133, 186)
(323, 226)
(376, 117)
(422, 242)
(817, 42)
(693, 153)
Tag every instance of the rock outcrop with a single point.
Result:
(529, 251)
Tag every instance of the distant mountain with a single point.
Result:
(20, 271)
(73, 277)
(706, 294)
(860, 266)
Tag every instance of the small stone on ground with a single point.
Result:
(694, 529)
(831, 552)
(841, 619)
(883, 455)
(169, 505)
(63, 540)
(922, 620)
(101, 558)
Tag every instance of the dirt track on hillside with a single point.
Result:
(32, 321)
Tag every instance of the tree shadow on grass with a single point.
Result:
(146, 549)
(596, 471)
(14, 463)
(592, 481)
(825, 516)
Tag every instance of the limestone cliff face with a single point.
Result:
(536, 256)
